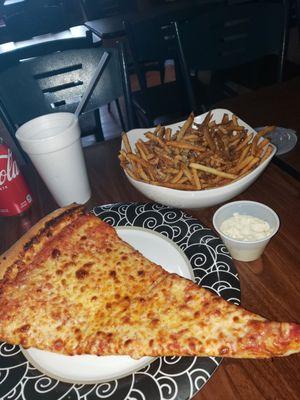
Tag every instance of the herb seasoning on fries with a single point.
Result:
(196, 156)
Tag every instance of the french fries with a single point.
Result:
(195, 156)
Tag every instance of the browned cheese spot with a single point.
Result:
(184, 307)
(112, 273)
(23, 342)
(48, 286)
(224, 350)
(155, 322)
(88, 265)
(58, 344)
(24, 328)
(192, 345)
(81, 273)
(67, 265)
(55, 253)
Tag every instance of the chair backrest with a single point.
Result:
(144, 39)
(150, 38)
(56, 82)
(150, 44)
(34, 18)
(232, 35)
(30, 50)
(105, 8)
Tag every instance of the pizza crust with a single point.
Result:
(14, 252)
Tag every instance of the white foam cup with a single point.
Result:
(52, 142)
(246, 250)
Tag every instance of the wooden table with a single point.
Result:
(269, 286)
(273, 105)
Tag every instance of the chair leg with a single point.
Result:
(99, 131)
(120, 116)
(143, 120)
(162, 72)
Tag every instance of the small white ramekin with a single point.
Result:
(246, 250)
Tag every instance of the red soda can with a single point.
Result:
(15, 197)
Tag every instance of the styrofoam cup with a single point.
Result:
(52, 142)
(246, 250)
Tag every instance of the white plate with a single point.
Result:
(93, 369)
(163, 377)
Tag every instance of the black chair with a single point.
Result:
(35, 17)
(30, 48)
(227, 37)
(56, 82)
(106, 8)
(90, 124)
(150, 46)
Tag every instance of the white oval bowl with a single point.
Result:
(200, 198)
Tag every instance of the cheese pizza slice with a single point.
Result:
(72, 286)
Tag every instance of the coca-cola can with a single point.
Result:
(15, 197)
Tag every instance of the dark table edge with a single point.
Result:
(287, 168)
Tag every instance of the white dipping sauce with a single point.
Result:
(245, 228)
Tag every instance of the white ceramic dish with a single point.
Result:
(201, 198)
(246, 250)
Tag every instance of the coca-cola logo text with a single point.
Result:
(11, 170)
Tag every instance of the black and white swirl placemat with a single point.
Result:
(166, 378)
